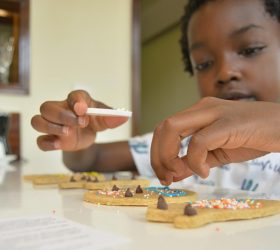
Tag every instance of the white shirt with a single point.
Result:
(261, 174)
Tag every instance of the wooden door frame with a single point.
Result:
(22, 8)
(136, 66)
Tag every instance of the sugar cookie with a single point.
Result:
(132, 197)
(199, 213)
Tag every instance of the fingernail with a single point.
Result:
(81, 121)
(65, 130)
(175, 174)
(164, 183)
(204, 170)
(56, 145)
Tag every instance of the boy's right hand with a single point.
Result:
(222, 132)
(66, 125)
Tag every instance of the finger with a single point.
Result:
(196, 156)
(166, 169)
(173, 130)
(215, 136)
(78, 101)
(113, 122)
(168, 179)
(169, 176)
(164, 176)
(192, 119)
(213, 140)
(216, 145)
(44, 126)
(205, 103)
(48, 142)
(154, 156)
(232, 155)
(100, 123)
(184, 124)
(188, 122)
(59, 113)
(169, 135)
(186, 174)
(236, 155)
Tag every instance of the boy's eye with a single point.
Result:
(203, 66)
(251, 51)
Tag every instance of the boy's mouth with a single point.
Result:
(239, 97)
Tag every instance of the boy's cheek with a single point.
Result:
(207, 88)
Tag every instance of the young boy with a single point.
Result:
(233, 50)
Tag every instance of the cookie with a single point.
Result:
(93, 183)
(64, 178)
(138, 197)
(32, 177)
(125, 183)
(79, 182)
(47, 179)
(199, 213)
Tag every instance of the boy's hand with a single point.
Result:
(222, 132)
(66, 125)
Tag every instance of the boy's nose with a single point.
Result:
(228, 72)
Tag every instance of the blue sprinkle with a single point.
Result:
(166, 191)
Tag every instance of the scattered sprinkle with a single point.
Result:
(226, 203)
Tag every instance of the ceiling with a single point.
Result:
(159, 15)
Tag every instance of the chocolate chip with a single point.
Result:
(189, 210)
(84, 178)
(133, 176)
(94, 179)
(128, 193)
(72, 179)
(115, 188)
(77, 176)
(139, 190)
(161, 204)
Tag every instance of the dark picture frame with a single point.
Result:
(136, 66)
(16, 14)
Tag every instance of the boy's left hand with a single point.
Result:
(222, 132)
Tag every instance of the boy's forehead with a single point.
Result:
(227, 15)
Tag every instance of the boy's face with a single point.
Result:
(235, 50)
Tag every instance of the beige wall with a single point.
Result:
(75, 43)
(166, 88)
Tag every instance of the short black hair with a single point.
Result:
(271, 6)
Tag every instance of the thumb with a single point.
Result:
(113, 122)
(79, 101)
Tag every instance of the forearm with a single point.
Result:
(107, 157)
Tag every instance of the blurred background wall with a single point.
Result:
(87, 44)
(166, 88)
(74, 44)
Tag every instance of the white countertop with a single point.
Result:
(20, 198)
